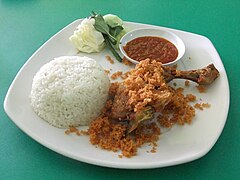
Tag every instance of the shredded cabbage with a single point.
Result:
(86, 38)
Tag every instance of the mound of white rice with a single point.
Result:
(69, 91)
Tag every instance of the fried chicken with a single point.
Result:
(146, 91)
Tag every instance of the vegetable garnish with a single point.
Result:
(101, 26)
(111, 48)
(97, 31)
(109, 33)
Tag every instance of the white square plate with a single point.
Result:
(178, 145)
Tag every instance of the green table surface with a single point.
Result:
(26, 24)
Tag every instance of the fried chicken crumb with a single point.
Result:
(109, 58)
(201, 106)
(120, 156)
(206, 105)
(187, 83)
(198, 106)
(113, 89)
(191, 97)
(124, 75)
(107, 71)
(73, 129)
(201, 88)
(126, 62)
(111, 136)
(153, 150)
(116, 75)
(178, 110)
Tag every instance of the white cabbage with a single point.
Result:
(113, 20)
(86, 38)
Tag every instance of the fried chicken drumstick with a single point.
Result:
(146, 91)
(204, 76)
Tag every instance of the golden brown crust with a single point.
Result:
(146, 85)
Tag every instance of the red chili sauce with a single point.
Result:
(154, 48)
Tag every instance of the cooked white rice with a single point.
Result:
(69, 91)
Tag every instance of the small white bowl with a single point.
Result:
(173, 38)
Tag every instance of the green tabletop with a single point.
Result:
(26, 24)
